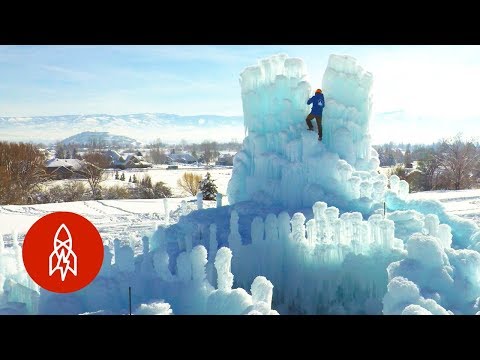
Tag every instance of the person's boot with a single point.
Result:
(319, 137)
(310, 129)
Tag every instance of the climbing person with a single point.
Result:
(318, 103)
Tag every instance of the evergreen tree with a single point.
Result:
(116, 175)
(407, 159)
(146, 182)
(208, 188)
(134, 179)
(390, 159)
(122, 177)
(130, 179)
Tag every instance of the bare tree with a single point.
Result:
(210, 151)
(190, 183)
(157, 156)
(458, 161)
(94, 170)
(429, 166)
(21, 172)
(60, 150)
(157, 143)
(183, 144)
(407, 158)
(157, 152)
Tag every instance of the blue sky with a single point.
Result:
(421, 93)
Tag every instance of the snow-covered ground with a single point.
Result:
(464, 203)
(221, 176)
(124, 219)
(131, 219)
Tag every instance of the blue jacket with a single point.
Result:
(318, 103)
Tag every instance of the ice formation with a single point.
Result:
(283, 163)
(305, 230)
(155, 289)
(167, 213)
(18, 293)
(449, 277)
(156, 308)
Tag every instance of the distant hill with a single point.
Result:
(143, 127)
(100, 138)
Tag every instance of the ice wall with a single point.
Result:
(283, 163)
(155, 289)
(347, 91)
(438, 278)
(18, 293)
(331, 263)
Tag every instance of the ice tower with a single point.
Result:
(283, 163)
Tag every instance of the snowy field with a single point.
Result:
(131, 219)
(127, 220)
(124, 219)
(464, 203)
(221, 175)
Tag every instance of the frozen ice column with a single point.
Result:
(347, 113)
(222, 264)
(274, 94)
(262, 290)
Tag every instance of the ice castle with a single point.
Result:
(306, 231)
(282, 163)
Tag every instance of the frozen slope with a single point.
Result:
(283, 163)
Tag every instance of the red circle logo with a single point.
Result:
(62, 252)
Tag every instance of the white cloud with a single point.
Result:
(69, 73)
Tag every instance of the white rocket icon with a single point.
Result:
(62, 257)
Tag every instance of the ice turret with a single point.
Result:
(283, 163)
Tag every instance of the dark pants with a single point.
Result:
(319, 123)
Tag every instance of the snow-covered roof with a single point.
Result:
(73, 164)
(144, 163)
(114, 155)
(227, 152)
(133, 157)
(223, 156)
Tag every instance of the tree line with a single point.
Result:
(23, 174)
(204, 152)
(450, 164)
(23, 177)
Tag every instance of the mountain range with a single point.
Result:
(170, 128)
(100, 137)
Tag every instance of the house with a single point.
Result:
(127, 160)
(115, 157)
(225, 160)
(64, 168)
(182, 158)
(136, 161)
